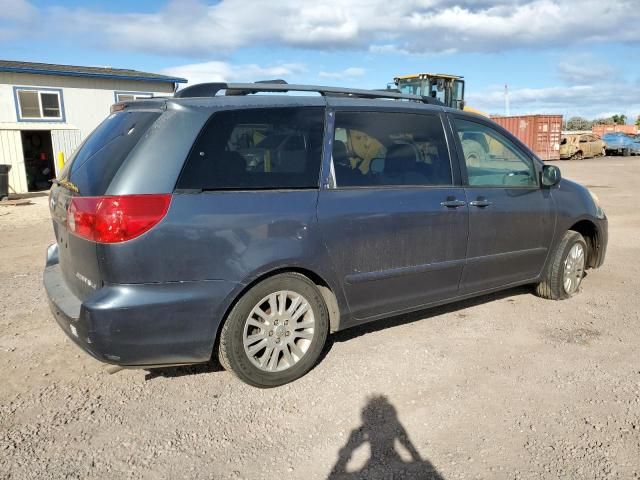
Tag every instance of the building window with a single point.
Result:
(39, 104)
(129, 96)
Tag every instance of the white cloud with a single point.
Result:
(227, 72)
(591, 88)
(16, 18)
(192, 28)
(585, 69)
(589, 101)
(350, 72)
(19, 10)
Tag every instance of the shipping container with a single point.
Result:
(602, 129)
(541, 133)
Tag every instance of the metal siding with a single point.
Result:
(65, 141)
(541, 133)
(11, 154)
(602, 129)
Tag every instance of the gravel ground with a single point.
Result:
(503, 386)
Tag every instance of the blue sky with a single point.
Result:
(568, 57)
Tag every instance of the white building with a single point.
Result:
(47, 110)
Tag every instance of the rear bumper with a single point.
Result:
(140, 324)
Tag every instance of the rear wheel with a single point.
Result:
(564, 274)
(276, 331)
(577, 156)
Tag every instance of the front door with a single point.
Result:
(511, 218)
(394, 223)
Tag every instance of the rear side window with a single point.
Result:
(270, 148)
(388, 149)
(96, 161)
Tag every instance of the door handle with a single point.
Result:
(453, 203)
(480, 202)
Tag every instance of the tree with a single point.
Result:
(619, 119)
(603, 121)
(638, 121)
(578, 123)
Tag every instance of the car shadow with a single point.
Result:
(211, 366)
(424, 314)
(382, 431)
(392, 321)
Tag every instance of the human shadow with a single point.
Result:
(381, 430)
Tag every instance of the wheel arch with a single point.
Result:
(589, 231)
(326, 290)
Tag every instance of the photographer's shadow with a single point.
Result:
(381, 429)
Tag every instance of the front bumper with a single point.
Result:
(602, 224)
(141, 324)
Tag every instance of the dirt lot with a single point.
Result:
(504, 386)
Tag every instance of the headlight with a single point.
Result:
(596, 202)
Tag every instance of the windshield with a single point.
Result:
(410, 86)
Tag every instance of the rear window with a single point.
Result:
(270, 148)
(96, 161)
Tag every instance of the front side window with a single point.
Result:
(269, 148)
(387, 148)
(492, 160)
(34, 104)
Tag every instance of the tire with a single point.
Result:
(276, 361)
(577, 156)
(626, 152)
(552, 285)
(474, 154)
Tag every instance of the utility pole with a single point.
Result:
(507, 110)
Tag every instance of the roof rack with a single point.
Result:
(212, 89)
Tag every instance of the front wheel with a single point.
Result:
(565, 272)
(275, 332)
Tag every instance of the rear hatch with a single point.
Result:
(82, 185)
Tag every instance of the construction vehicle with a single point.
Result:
(449, 89)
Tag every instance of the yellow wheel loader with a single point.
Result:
(449, 89)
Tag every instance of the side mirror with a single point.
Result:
(550, 176)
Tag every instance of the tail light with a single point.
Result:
(112, 219)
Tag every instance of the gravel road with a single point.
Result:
(503, 386)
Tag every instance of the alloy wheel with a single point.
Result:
(279, 331)
(573, 268)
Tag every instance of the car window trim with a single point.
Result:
(329, 181)
(537, 164)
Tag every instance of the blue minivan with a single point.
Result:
(249, 227)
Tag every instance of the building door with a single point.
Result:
(38, 159)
